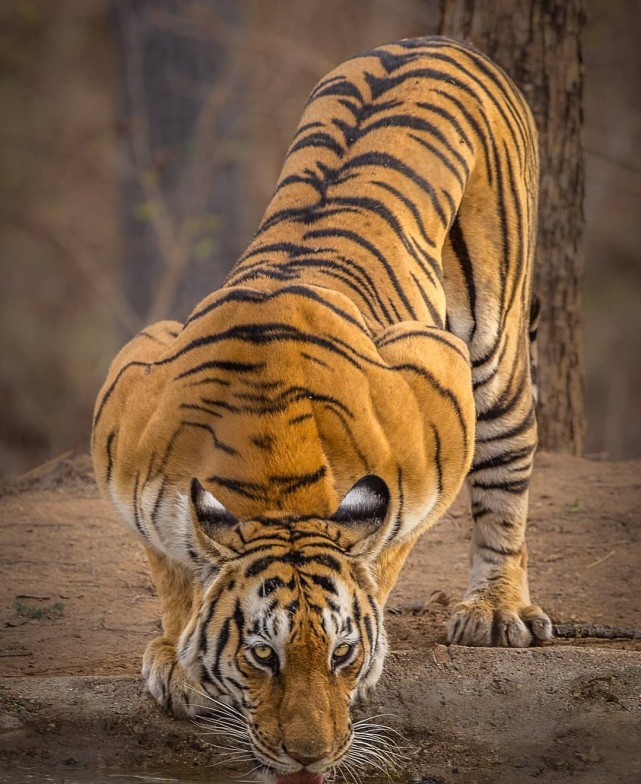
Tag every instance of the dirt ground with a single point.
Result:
(76, 599)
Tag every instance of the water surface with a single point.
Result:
(23, 775)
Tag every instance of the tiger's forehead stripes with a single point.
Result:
(291, 557)
(292, 592)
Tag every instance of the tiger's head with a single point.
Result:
(288, 630)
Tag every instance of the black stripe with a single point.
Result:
(409, 204)
(434, 314)
(337, 85)
(201, 409)
(137, 519)
(323, 582)
(159, 498)
(448, 117)
(523, 426)
(223, 639)
(459, 246)
(111, 389)
(257, 334)
(110, 462)
(218, 444)
(307, 127)
(368, 630)
(506, 459)
(226, 295)
(517, 267)
(239, 620)
(409, 121)
(490, 73)
(516, 486)
(398, 520)
(356, 610)
(313, 359)
(223, 382)
(292, 483)
(320, 139)
(504, 405)
(501, 550)
(300, 418)
(270, 585)
(363, 243)
(437, 459)
(282, 402)
(219, 364)
(383, 160)
(443, 159)
(430, 334)
(250, 490)
(460, 105)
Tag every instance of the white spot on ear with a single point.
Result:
(209, 503)
(208, 507)
(359, 501)
(367, 501)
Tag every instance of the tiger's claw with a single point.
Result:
(168, 683)
(478, 623)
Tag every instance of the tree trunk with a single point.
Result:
(182, 127)
(539, 45)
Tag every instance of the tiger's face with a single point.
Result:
(288, 630)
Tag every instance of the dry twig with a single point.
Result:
(601, 560)
(597, 631)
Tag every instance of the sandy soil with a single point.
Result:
(76, 599)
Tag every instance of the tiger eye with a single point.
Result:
(263, 652)
(342, 651)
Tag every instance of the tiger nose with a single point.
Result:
(304, 761)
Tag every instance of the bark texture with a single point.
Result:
(539, 44)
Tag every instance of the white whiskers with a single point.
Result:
(226, 723)
(374, 745)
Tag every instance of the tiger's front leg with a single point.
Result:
(497, 609)
(164, 676)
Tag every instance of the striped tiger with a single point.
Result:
(281, 452)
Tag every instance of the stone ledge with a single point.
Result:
(556, 714)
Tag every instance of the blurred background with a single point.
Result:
(140, 142)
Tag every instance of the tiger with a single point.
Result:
(280, 453)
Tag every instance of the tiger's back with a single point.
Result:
(405, 158)
(367, 352)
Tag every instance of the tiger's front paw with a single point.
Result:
(168, 683)
(479, 622)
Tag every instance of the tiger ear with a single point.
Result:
(362, 512)
(212, 523)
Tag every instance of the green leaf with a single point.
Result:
(204, 248)
(144, 211)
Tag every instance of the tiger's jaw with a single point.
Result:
(290, 778)
(267, 776)
(297, 778)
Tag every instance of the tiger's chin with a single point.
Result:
(266, 776)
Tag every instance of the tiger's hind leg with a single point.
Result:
(496, 609)
(165, 678)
